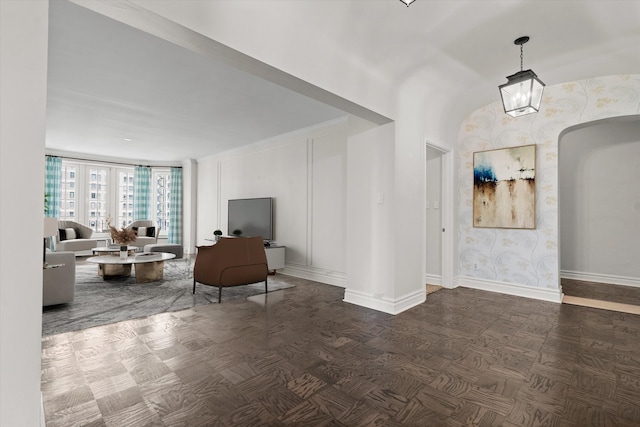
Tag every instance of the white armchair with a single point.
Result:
(80, 240)
(148, 237)
(59, 282)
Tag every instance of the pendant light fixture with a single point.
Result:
(522, 93)
(407, 2)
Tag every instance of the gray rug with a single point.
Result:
(98, 302)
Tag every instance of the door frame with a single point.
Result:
(447, 210)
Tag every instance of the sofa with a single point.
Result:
(231, 262)
(74, 237)
(58, 278)
(146, 232)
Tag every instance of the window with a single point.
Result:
(98, 202)
(125, 192)
(67, 195)
(85, 193)
(91, 192)
(161, 183)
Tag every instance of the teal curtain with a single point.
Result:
(175, 207)
(141, 193)
(52, 184)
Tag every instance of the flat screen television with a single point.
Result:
(251, 217)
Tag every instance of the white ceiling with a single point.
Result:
(108, 81)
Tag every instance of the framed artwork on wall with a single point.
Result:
(504, 188)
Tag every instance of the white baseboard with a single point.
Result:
(433, 279)
(551, 295)
(383, 304)
(600, 278)
(317, 275)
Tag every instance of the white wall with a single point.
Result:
(370, 235)
(23, 78)
(600, 202)
(305, 173)
(526, 262)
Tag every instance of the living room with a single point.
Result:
(394, 265)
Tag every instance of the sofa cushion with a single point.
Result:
(145, 231)
(76, 245)
(71, 233)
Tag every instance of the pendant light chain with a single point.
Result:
(521, 56)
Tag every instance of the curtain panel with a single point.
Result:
(141, 193)
(52, 184)
(175, 207)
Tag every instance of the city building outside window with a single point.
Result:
(91, 192)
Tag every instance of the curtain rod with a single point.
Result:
(110, 162)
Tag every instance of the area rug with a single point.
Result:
(99, 302)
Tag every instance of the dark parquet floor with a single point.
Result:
(303, 357)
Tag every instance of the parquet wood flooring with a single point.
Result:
(305, 358)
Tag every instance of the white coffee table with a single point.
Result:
(149, 266)
(113, 250)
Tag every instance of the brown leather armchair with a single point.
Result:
(231, 262)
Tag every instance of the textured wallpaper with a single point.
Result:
(531, 257)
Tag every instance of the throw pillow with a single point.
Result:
(151, 232)
(62, 234)
(71, 233)
(142, 231)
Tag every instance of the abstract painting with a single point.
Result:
(504, 188)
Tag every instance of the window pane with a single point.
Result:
(67, 195)
(98, 198)
(162, 179)
(125, 192)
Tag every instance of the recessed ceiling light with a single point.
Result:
(127, 139)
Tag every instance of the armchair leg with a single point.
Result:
(219, 294)
(194, 285)
(265, 286)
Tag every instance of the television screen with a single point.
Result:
(251, 218)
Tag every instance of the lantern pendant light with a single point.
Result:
(522, 93)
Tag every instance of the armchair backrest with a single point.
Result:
(145, 223)
(231, 261)
(82, 231)
(140, 223)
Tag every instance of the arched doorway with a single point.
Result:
(599, 205)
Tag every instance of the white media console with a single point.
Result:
(275, 257)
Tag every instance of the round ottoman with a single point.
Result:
(172, 248)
